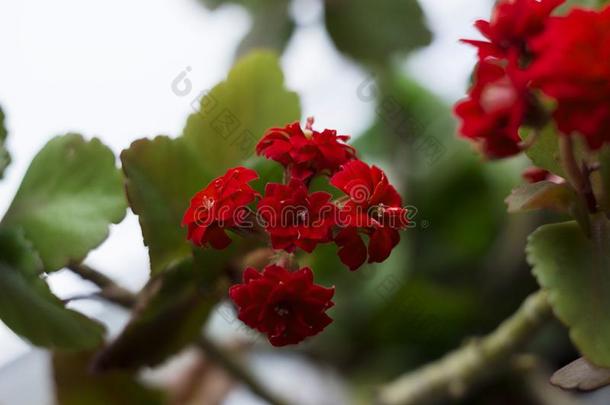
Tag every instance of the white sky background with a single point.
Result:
(105, 68)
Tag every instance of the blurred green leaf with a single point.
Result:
(69, 196)
(76, 385)
(371, 32)
(5, 158)
(164, 174)
(544, 153)
(235, 113)
(28, 307)
(574, 270)
(541, 195)
(272, 27)
(169, 315)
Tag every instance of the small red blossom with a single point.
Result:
(495, 109)
(286, 306)
(219, 206)
(306, 153)
(294, 218)
(512, 24)
(374, 208)
(572, 66)
(535, 174)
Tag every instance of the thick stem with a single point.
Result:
(456, 373)
(579, 179)
(112, 292)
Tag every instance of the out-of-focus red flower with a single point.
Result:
(294, 218)
(535, 174)
(494, 110)
(286, 306)
(572, 65)
(219, 206)
(374, 208)
(512, 24)
(306, 153)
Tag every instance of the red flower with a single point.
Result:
(286, 306)
(374, 208)
(221, 205)
(295, 218)
(494, 110)
(572, 66)
(535, 174)
(512, 24)
(306, 153)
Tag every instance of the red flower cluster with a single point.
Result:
(286, 305)
(221, 205)
(374, 208)
(567, 57)
(572, 65)
(500, 102)
(306, 153)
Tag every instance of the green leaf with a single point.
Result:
(372, 32)
(574, 270)
(235, 114)
(581, 375)
(69, 196)
(544, 153)
(272, 27)
(170, 314)
(5, 158)
(162, 177)
(28, 307)
(541, 195)
(163, 174)
(76, 385)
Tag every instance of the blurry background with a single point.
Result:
(110, 69)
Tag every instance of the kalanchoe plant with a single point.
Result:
(287, 306)
(542, 86)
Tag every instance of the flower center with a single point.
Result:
(282, 309)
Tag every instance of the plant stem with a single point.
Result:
(578, 178)
(112, 292)
(456, 373)
(236, 369)
(109, 290)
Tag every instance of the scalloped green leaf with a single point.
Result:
(28, 307)
(163, 174)
(575, 270)
(5, 158)
(372, 33)
(67, 200)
